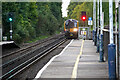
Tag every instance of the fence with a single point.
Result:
(106, 41)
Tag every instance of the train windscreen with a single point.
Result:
(70, 24)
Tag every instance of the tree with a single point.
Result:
(75, 12)
(32, 19)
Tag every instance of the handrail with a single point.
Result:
(106, 30)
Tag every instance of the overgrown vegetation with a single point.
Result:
(75, 9)
(32, 20)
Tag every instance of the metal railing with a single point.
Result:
(106, 41)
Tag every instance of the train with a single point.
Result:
(71, 27)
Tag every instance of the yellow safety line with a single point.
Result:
(74, 73)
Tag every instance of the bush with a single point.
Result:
(17, 38)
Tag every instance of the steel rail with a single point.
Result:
(27, 48)
(10, 74)
(24, 55)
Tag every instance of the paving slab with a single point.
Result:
(89, 65)
(62, 66)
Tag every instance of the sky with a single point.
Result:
(64, 7)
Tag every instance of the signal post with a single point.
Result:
(10, 19)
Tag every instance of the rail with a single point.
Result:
(17, 69)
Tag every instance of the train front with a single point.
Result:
(71, 27)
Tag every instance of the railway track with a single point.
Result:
(25, 50)
(29, 47)
(44, 50)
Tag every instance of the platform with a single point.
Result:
(78, 60)
(8, 45)
(6, 42)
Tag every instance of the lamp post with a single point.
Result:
(10, 19)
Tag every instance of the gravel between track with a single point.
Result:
(32, 71)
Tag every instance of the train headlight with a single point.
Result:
(75, 29)
(66, 30)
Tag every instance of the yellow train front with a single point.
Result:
(71, 27)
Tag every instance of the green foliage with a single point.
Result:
(32, 19)
(106, 12)
(75, 10)
(38, 38)
(50, 18)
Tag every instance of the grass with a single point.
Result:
(38, 38)
(57, 32)
(41, 37)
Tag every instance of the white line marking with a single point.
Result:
(41, 71)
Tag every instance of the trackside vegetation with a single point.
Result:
(32, 20)
(75, 9)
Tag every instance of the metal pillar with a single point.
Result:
(79, 33)
(98, 27)
(0, 34)
(119, 26)
(11, 31)
(0, 21)
(111, 61)
(101, 34)
(94, 19)
(89, 32)
(111, 46)
(119, 39)
(1, 69)
(93, 35)
(117, 64)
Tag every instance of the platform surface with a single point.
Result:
(63, 66)
(89, 65)
(6, 42)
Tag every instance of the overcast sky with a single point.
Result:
(64, 7)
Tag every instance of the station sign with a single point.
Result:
(83, 32)
(90, 21)
(83, 29)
